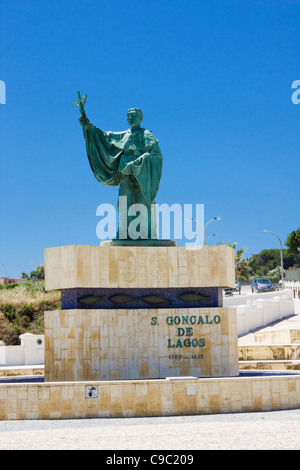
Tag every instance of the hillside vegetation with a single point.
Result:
(22, 308)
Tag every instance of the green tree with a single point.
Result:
(36, 274)
(242, 269)
(293, 241)
(266, 261)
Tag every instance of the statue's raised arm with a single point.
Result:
(80, 103)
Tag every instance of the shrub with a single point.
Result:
(8, 310)
(9, 286)
(34, 287)
(22, 310)
(27, 310)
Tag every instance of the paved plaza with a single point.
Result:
(277, 430)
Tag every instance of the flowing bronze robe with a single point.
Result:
(109, 152)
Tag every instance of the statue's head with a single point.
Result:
(134, 117)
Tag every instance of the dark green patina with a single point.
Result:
(131, 160)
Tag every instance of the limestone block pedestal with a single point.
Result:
(136, 312)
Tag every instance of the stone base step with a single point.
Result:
(17, 371)
(269, 352)
(270, 336)
(269, 365)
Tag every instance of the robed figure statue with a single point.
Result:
(133, 160)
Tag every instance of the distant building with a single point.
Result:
(7, 280)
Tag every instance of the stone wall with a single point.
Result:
(148, 397)
(148, 343)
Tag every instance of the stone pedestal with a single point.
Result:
(139, 312)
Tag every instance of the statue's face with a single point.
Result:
(133, 117)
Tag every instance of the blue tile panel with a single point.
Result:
(114, 298)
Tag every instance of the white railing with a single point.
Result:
(30, 352)
(294, 286)
(259, 310)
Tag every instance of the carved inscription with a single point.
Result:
(184, 325)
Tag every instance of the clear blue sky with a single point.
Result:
(213, 79)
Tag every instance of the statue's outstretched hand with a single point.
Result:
(83, 120)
